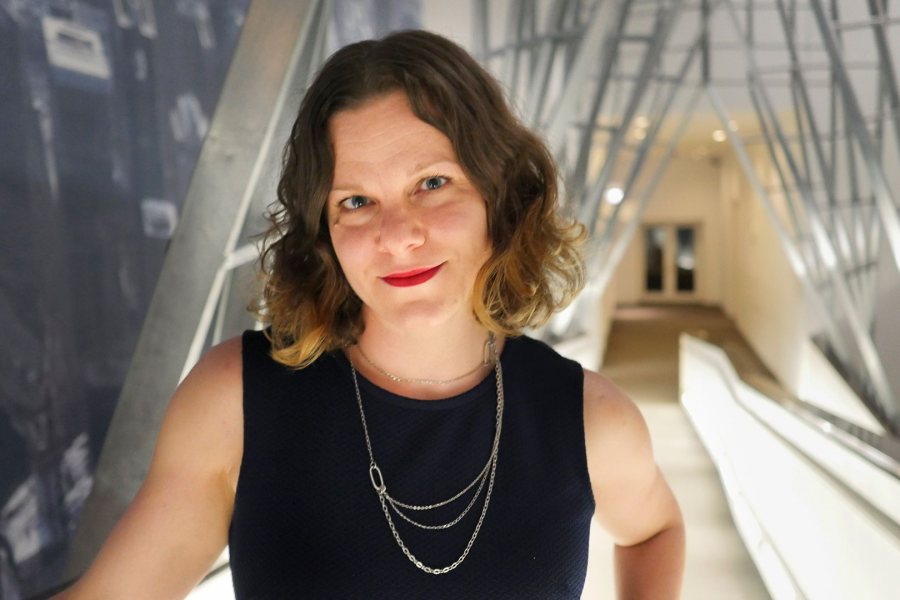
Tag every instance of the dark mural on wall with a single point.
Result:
(103, 107)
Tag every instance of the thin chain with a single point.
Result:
(486, 361)
(480, 477)
(394, 504)
(386, 500)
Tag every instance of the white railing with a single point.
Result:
(818, 518)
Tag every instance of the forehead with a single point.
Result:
(382, 130)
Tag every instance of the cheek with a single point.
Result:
(464, 219)
(350, 251)
(339, 243)
(479, 232)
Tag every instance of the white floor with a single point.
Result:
(717, 565)
(642, 359)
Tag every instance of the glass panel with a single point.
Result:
(655, 242)
(684, 259)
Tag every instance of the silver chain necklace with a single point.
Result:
(387, 500)
(485, 362)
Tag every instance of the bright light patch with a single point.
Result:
(615, 195)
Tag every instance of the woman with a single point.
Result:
(392, 434)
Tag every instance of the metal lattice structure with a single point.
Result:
(588, 73)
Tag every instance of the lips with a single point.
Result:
(416, 277)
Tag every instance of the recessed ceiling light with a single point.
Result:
(615, 195)
(719, 135)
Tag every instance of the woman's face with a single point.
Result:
(400, 201)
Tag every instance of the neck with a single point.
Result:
(434, 355)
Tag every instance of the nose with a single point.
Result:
(401, 229)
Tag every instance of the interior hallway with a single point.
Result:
(642, 359)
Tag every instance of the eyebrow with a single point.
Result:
(428, 163)
(420, 166)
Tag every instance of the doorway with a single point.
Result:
(670, 262)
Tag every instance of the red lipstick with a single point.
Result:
(416, 277)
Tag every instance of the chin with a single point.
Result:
(420, 314)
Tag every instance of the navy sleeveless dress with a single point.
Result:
(307, 522)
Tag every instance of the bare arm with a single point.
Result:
(177, 524)
(634, 502)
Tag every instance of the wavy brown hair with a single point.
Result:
(536, 267)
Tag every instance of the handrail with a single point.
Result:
(879, 450)
(814, 422)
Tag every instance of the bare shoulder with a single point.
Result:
(601, 394)
(615, 429)
(177, 524)
(633, 500)
(212, 399)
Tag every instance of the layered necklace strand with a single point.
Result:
(490, 468)
(486, 361)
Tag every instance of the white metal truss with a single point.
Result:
(838, 240)
(598, 65)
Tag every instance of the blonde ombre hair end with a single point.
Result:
(536, 267)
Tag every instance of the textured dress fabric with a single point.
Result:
(307, 522)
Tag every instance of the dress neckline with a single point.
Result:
(487, 387)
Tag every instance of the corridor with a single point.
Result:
(642, 359)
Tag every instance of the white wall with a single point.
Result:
(762, 294)
(767, 300)
(687, 194)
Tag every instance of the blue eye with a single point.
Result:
(435, 182)
(351, 199)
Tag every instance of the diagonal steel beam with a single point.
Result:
(608, 58)
(513, 48)
(835, 268)
(801, 93)
(801, 236)
(521, 39)
(758, 99)
(537, 93)
(664, 23)
(252, 99)
(617, 250)
(481, 31)
(795, 258)
(600, 266)
(599, 29)
(605, 238)
(301, 71)
(887, 207)
(886, 65)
